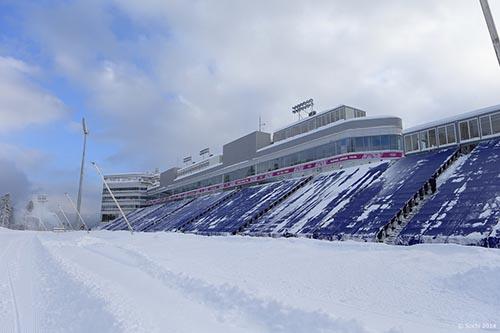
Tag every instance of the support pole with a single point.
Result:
(77, 212)
(491, 27)
(43, 224)
(65, 217)
(82, 167)
(113, 196)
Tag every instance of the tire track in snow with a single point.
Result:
(270, 315)
(14, 301)
(80, 305)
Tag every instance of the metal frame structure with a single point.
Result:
(491, 27)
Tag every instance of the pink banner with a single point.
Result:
(280, 172)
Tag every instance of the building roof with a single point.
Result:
(452, 119)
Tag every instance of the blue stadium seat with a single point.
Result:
(182, 216)
(146, 221)
(135, 217)
(317, 201)
(374, 206)
(234, 214)
(466, 207)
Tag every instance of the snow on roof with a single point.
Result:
(451, 119)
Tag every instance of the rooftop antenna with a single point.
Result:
(79, 198)
(261, 124)
(491, 27)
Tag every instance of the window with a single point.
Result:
(414, 142)
(432, 138)
(450, 133)
(424, 140)
(304, 127)
(407, 143)
(376, 142)
(464, 131)
(442, 136)
(485, 125)
(495, 123)
(473, 128)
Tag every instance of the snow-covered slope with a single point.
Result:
(171, 282)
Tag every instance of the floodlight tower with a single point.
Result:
(491, 27)
(79, 198)
(297, 109)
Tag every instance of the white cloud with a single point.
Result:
(23, 103)
(208, 69)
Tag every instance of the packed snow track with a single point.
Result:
(169, 282)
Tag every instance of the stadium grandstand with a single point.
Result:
(340, 175)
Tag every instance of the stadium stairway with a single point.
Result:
(369, 213)
(389, 232)
(244, 208)
(316, 201)
(466, 207)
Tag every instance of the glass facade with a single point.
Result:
(348, 145)
(320, 120)
(469, 129)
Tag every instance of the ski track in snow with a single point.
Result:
(36, 296)
(115, 282)
(229, 302)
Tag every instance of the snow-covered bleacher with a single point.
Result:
(244, 207)
(318, 201)
(189, 212)
(359, 202)
(466, 207)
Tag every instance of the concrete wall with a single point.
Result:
(244, 148)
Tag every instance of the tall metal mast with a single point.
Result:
(491, 27)
(79, 198)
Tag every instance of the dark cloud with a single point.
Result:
(15, 182)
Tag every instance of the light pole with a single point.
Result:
(82, 166)
(491, 27)
(77, 212)
(113, 197)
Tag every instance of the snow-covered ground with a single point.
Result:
(164, 282)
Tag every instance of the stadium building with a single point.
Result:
(339, 175)
(336, 138)
(130, 190)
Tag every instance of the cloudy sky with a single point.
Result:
(159, 79)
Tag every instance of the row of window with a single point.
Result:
(443, 135)
(109, 199)
(315, 122)
(188, 170)
(348, 145)
(122, 189)
(114, 208)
